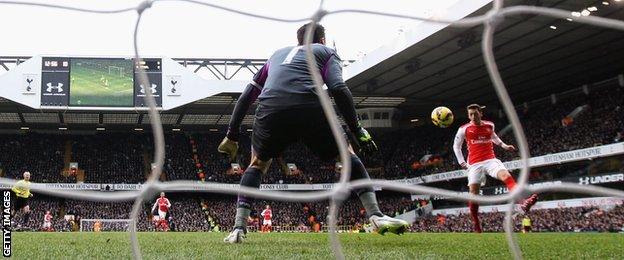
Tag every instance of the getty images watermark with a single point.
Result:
(6, 224)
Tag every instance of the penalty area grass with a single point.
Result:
(200, 245)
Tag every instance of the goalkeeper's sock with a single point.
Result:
(251, 178)
(367, 195)
(369, 201)
(240, 221)
(474, 214)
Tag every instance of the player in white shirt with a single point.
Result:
(480, 138)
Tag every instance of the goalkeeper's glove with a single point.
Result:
(362, 141)
(228, 147)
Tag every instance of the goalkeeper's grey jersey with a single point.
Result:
(286, 82)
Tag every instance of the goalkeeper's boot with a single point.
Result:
(237, 235)
(528, 203)
(385, 224)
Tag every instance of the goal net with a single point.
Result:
(107, 225)
(117, 71)
(490, 20)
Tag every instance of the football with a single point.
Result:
(442, 117)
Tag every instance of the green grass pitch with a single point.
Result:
(101, 83)
(197, 245)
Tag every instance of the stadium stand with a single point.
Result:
(187, 216)
(601, 123)
(581, 219)
(109, 158)
(121, 158)
(39, 153)
(125, 158)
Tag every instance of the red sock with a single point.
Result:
(510, 183)
(474, 213)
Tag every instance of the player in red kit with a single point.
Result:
(47, 221)
(480, 139)
(267, 215)
(163, 205)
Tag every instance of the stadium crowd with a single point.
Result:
(32, 152)
(187, 215)
(580, 219)
(125, 158)
(202, 213)
(109, 158)
(216, 211)
(600, 122)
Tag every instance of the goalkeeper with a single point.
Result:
(21, 192)
(288, 111)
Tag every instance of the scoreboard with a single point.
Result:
(63, 83)
(98, 82)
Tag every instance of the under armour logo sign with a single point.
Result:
(152, 88)
(58, 87)
(584, 181)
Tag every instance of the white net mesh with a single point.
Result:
(342, 190)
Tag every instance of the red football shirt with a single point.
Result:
(479, 140)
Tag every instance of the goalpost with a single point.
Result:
(107, 225)
(112, 70)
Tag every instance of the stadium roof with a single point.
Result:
(537, 56)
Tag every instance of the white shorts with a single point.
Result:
(266, 222)
(47, 224)
(477, 171)
(162, 214)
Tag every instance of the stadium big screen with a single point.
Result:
(101, 82)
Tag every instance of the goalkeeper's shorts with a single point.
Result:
(274, 129)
